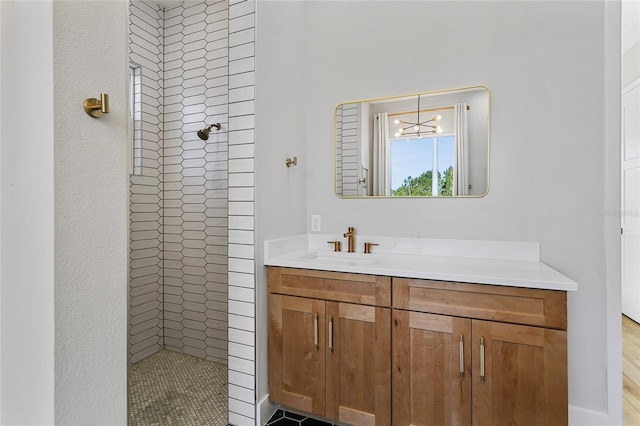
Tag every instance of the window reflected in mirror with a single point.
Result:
(413, 162)
(433, 144)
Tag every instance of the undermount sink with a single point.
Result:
(354, 259)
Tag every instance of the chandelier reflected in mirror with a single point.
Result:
(418, 128)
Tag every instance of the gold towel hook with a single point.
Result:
(94, 107)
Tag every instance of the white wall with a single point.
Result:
(26, 194)
(1, 215)
(91, 206)
(612, 223)
(63, 214)
(533, 56)
(630, 41)
(280, 133)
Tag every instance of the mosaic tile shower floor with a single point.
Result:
(169, 388)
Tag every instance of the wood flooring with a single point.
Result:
(631, 371)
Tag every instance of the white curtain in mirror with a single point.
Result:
(381, 173)
(461, 167)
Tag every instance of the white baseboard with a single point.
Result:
(583, 417)
(265, 410)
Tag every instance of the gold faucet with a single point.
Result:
(350, 239)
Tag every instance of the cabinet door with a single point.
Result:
(358, 360)
(297, 353)
(525, 375)
(428, 358)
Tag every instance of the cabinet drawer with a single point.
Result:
(335, 286)
(489, 302)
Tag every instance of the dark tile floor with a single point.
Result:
(287, 418)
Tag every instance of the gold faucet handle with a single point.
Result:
(337, 245)
(367, 247)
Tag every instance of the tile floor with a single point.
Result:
(169, 388)
(286, 418)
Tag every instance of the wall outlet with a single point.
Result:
(316, 223)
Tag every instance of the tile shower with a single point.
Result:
(191, 202)
(179, 203)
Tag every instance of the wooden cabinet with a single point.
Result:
(327, 356)
(450, 370)
(545, 308)
(296, 363)
(442, 353)
(358, 379)
(428, 387)
(525, 375)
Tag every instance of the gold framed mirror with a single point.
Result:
(429, 144)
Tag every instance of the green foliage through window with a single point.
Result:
(421, 185)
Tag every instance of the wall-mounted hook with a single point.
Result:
(94, 107)
(291, 162)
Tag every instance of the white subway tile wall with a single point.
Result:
(178, 284)
(195, 179)
(145, 237)
(241, 321)
(197, 217)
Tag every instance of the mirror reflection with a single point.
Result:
(432, 144)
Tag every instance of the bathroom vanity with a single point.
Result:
(404, 346)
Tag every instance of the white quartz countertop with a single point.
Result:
(515, 264)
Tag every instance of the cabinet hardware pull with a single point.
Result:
(482, 360)
(330, 334)
(315, 332)
(461, 358)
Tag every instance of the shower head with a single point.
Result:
(204, 133)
